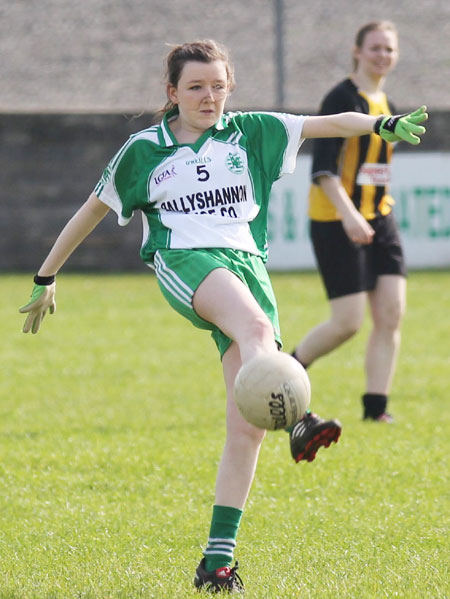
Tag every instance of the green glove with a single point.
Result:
(418, 116)
(402, 127)
(42, 299)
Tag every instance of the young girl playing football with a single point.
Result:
(202, 181)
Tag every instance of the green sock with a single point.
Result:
(222, 537)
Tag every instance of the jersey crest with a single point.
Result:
(234, 163)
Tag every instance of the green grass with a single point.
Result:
(112, 424)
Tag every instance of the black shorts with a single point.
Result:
(348, 267)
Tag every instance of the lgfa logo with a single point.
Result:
(165, 174)
(234, 163)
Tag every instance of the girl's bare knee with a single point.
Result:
(346, 328)
(259, 329)
(242, 433)
(390, 317)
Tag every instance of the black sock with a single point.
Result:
(374, 404)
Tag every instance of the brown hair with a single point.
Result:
(200, 51)
(372, 26)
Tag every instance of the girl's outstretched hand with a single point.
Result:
(402, 127)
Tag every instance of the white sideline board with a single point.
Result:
(421, 190)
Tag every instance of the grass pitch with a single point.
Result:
(112, 424)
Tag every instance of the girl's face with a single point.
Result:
(200, 94)
(378, 54)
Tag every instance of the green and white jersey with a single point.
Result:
(213, 193)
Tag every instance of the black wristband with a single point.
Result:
(390, 123)
(376, 127)
(44, 280)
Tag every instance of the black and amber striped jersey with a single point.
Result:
(362, 163)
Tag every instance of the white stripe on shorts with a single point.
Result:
(172, 282)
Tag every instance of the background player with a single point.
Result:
(353, 231)
(202, 181)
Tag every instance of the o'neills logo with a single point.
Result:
(277, 409)
(168, 173)
(234, 163)
(291, 400)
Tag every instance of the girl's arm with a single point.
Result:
(76, 230)
(344, 124)
(355, 225)
(42, 299)
(400, 127)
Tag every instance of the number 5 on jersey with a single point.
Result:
(202, 173)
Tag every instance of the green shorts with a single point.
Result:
(180, 272)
